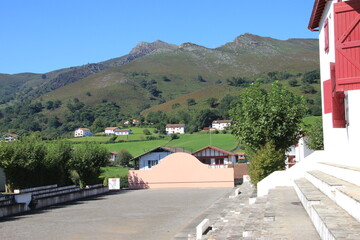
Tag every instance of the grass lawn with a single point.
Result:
(138, 134)
(194, 142)
(189, 142)
(136, 148)
(114, 171)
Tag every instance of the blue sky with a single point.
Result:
(44, 35)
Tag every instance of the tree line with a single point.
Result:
(30, 162)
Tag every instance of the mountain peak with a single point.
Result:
(144, 48)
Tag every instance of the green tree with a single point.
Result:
(191, 102)
(57, 160)
(267, 123)
(268, 117)
(212, 102)
(124, 158)
(316, 135)
(23, 163)
(266, 160)
(146, 131)
(87, 160)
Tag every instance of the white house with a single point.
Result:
(113, 156)
(110, 130)
(9, 137)
(221, 124)
(151, 158)
(298, 152)
(215, 157)
(82, 132)
(339, 35)
(122, 131)
(175, 128)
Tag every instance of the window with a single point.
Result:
(152, 163)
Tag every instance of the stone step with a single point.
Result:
(330, 220)
(278, 215)
(347, 173)
(345, 194)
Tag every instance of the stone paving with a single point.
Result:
(279, 215)
(152, 214)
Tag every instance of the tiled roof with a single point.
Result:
(316, 14)
(111, 128)
(175, 125)
(217, 149)
(222, 121)
(122, 130)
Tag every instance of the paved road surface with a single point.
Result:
(129, 215)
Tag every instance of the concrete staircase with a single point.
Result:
(278, 215)
(330, 194)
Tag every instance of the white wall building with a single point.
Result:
(122, 131)
(82, 132)
(339, 36)
(298, 152)
(110, 130)
(175, 128)
(153, 157)
(215, 157)
(221, 124)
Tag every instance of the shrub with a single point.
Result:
(174, 136)
(146, 131)
(265, 161)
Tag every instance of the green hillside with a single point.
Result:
(157, 77)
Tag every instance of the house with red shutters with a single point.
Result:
(339, 39)
(327, 182)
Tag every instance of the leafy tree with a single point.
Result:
(205, 117)
(293, 83)
(316, 135)
(87, 160)
(146, 131)
(49, 105)
(125, 157)
(266, 160)
(57, 159)
(174, 136)
(166, 79)
(307, 88)
(268, 117)
(311, 77)
(200, 78)
(23, 163)
(54, 122)
(190, 101)
(212, 102)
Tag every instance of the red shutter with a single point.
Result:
(347, 44)
(326, 30)
(337, 104)
(327, 94)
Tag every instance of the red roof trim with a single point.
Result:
(217, 149)
(316, 14)
(174, 125)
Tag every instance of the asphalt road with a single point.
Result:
(152, 214)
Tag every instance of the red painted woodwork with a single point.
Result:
(347, 45)
(326, 29)
(337, 103)
(327, 94)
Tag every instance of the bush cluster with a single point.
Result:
(30, 162)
